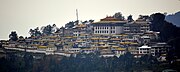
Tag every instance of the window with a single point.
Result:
(113, 27)
(140, 51)
(102, 31)
(144, 52)
(113, 31)
(95, 31)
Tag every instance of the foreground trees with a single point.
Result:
(13, 36)
(82, 63)
(169, 33)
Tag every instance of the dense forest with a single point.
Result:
(83, 63)
(168, 33)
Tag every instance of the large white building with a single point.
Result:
(108, 26)
(143, 50)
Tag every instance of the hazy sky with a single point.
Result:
(21, 15)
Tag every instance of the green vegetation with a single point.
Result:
(82, 63)
(169, 33)
(13, 36)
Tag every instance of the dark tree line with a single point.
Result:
(13, 36)
(81, 63)
(14, 63)
(44, 30)
(168, 33)
(71, 24)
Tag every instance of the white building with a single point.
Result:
(74, 50)
(119, 51)
(108, 25)
(159, 49)
(89, 50)
(143, 50)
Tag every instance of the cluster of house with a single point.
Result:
(110, 37)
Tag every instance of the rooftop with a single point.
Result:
(110, 18)
(81, 25)
(144, 46)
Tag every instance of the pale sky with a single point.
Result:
(21, 15)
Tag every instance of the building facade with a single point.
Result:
(143, 50)
(108, 26)
(136, 27)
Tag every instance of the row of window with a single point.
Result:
(113, 27)
(76, 34)
(143, 49)
(137, 29)
(145, 26)
(144, 52)
(104, 31)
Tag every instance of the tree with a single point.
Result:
(21, 39)
(84, 22)
(63, 30)
(1, 45)
(35, 32)
(54, 28)
(31, 32)
(47, 30)
(13, 36)
(70, 24)
(157, 22)
(28, 58)
(130, 19)
(168, 33)
(91, 21)
(119, 16)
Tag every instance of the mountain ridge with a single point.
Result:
(174, 18)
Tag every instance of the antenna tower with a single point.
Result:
(77, 16)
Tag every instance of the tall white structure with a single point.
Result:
(108, 25)
(143, 50)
